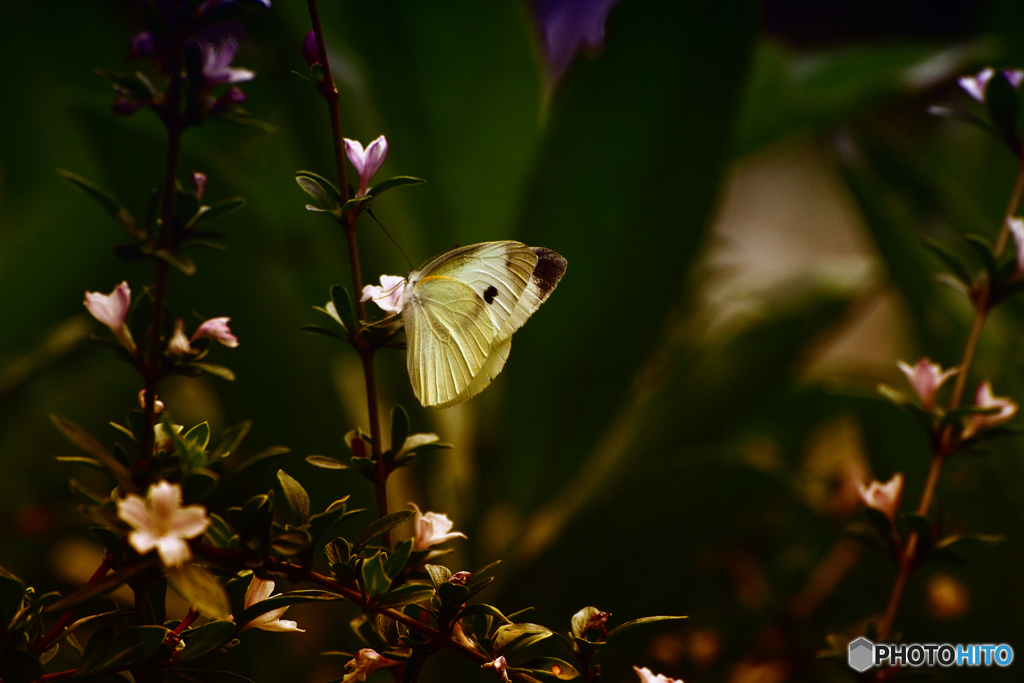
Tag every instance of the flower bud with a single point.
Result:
(141, 45)
(366, 162)
(883, 497)
(310, 52)
(460, 578)
(112, 310)
(432, 529)
(984, 398)
(925, 378)
(198, 184)
(158, 405)
(217, 329)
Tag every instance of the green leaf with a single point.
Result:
(511, 638)
(354, 204)
(96, 651)
(343, 306)
(1004, 105)
(218, 370)
(104, 585)
(314, 189)
(323, 462)
(323, 182)
(199, 485)
(452, 595)
(199, 435)
(638, 622)
(957, 540)
(285, 600)
(133, 644)
(182, 263)
(298, 499)
(409, 594)
(12, 599)
(92, 618)
(113, 207)
(381, 526)
(89, 444)
(439, 574)
(392, 183)
(550, 667)
(489, 610)
(206, 638)
(265, 454)
(209, 214)
(338, 551)
(983, 248)
(375, 579)
(397, 560)
(201, 590)
(316, 329)
(581, 620)
(951, 260)
(399, 427)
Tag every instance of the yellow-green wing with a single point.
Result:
(492, 366)
(449, 334)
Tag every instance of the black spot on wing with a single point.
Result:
(549, 270)
(490, 293)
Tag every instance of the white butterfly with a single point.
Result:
(460, 311)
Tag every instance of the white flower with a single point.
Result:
(365, 663)
(260, 590)
(159, 521)
(158, 405)
(216, 66)
(112, 310)
(388, 296)
(883, 497)
(648, 676)
(500, 667)
(366, 162)
(925, 378)
(975, 85)
(432, 529)
(179, 344)
(1016, 227)
(217, 328)
(984, 398)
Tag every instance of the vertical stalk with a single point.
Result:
(945, 444)
(329, 90)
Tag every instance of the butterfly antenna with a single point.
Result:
(397, 245)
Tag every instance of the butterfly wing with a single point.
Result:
(449, 335)
(509, 280)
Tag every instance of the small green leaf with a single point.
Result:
(133, 644)
(338, 551)
(397, 560)
(375, 579)
(316, 329)
(952, 261)
(381, 526)
(409, 594)
(343, 307)
(1004, 105)
(322, 182)
(392, 183)
(199, 435)
(315, 190)
(286, 600)
(452, 595)
(113, 207)
(354, 204)
(399, 427)
(549, 666)
(89, 444)
(298, 499)
(218, 370)
(638, 622)
(983, 248)
(96, 651)
(209, 214)
(206, 638)
(514, 637)
(323, 462)
(439, 574)
(199, 484)
(201, 590)
(582, 619)
(182, 263)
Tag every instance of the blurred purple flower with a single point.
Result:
(568, 26)
(217, 60)
(141, 45)
(124, 106)
(199, 183)
(309, 49)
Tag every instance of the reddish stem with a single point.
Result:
(43, 644)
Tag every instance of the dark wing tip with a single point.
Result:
(549, 270)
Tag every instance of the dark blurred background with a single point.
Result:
(740, 189)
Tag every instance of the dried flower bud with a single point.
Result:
(460, 578)
(198, 183)
(500, 667)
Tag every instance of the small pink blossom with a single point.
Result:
(975, 85)
(159, 521)
(500, 667)
(365, 663)
(925, 378)
(179, 344)
(217, 328)
(883, 497)
(388, 296)
(112, 310)
(648, 676)
(260, 590)
(984, 398)
(432, 529)
(1016, 226)
(366, 162)
(158, 405)
(199, 183)
(216, 66)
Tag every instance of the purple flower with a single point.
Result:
(112, 310)
(976, 85)
(567, 26)
(141, 45)
(310, 52)
(217, 60)
(368, 161)
(217, 328)
(199, 183)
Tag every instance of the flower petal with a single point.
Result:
(173, 551)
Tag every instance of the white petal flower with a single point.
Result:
(925, 379)
(975, 85)
(648, 676)
(217, 328)
(160, 522)
(258, 591)
(112, 310)
(389, 296)
(366, 162)
(179, 344)
(365, 663)
(432, 529)
(883, 497)
(500, 667)
(216, 66)
(984, 398)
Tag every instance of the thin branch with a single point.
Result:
(43, 644)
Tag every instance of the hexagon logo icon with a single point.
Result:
(862, 654)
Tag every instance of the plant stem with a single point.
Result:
(43, 644)
(151, 369)
(329, 90)
(946, 443)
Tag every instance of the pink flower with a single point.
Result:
(112, 310)
(925, 378)
(216, 66)
(648, 676)
(432, 529)
(883, 497)
(159, 521)
(984, 398)
(217, 328)
(1016, 227)
(388, 296)
(975, 85)
(158, 405)
(260, 590)
(198, 183)
(366, 162)
(365, 663)
(500, 667)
